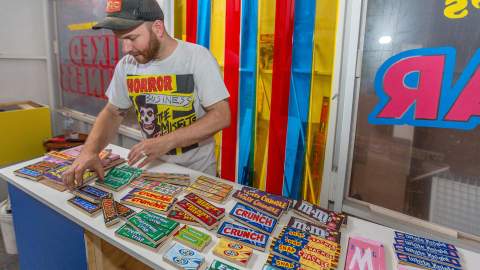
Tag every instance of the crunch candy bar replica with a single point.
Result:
(247, 236)
(233, 252)
(182, 257)
(253, 218)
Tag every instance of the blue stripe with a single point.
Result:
(248, 65)
(300, 88)
(203, 23)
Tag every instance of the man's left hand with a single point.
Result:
(149, 150)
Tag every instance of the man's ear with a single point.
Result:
(158, 27)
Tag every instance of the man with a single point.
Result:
(175, 87)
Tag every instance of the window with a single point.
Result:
(426, 172)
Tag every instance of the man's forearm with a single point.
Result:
(104, 129)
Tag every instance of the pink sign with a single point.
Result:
(364, 254)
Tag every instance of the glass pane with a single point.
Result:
(428, 173)
(87, 58)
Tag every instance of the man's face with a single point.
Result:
(141, 43)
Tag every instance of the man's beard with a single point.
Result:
(151, 52)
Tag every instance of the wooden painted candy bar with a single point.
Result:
(406, 259)
(216, 212)
(209, 189)
(247, 236)
(302, 255)
(215, 182)
(275, 200)
(85, 206)
(206, 195)
(321, 216)
(182, 217)
(182, 257)
(124, 211)
(60, 155)
(91, 193)
(321, 251)
(233, 251)
(257, 204)
(219, 189)
(281, 263)
(159, 221)
(218, 265)
(311, 228)
(166, 188)
(146, 204)
(193, 238)
(202, 217)
(152, 195)
(312, 240)
(116, 179)
(128, 233)
(29, 174)
(155, 234)
(142, 183)
(109, 209)
(253, 218)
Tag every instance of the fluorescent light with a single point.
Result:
(385, 39)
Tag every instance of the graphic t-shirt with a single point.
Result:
(171, 94)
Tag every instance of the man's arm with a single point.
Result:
(104, 129)
(216, 118)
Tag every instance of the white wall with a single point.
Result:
(23, 51)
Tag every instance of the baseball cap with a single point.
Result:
(126, 14)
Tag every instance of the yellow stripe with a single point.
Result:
(217, 47)
(266, 30)
(323, 55)
(180, 18)
(81, 26)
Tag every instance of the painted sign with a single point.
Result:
(417, 88)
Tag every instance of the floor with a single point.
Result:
(7, 262)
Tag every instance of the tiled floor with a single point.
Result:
(7, 262)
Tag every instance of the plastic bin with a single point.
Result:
(8, 233)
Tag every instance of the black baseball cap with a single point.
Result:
(127, 14)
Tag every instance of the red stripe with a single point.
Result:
(192, 21)
(282, 63)
(231, 77)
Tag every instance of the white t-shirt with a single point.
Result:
(170, 94)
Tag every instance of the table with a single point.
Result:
(51, 215)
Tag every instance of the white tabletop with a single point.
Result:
(58, 202)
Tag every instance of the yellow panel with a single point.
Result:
(23, 134)
(323, 56)
(217, 31)
(266, 29)
(180, 9)
(217, 47)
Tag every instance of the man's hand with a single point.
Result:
(149, 149)
(73, 177)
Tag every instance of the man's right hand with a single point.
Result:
(73, 177)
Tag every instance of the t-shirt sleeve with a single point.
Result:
(210, 86)
(117, 92)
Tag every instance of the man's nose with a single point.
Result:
(126, 46)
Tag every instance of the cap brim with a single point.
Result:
(114, 23)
